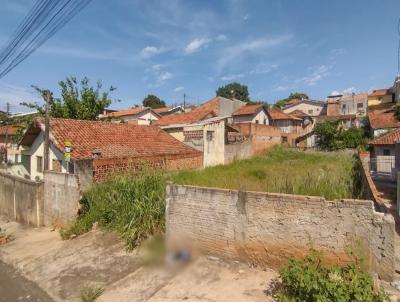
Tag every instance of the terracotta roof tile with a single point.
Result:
(248, 110)
(336, 117)
(381, 92)
(277, 114)
(383, 118)
(10, 130)
(112, 140)
(387, 139)
(125, 112)
(184, 118)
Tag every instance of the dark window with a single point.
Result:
(56, 165)
(386, 152)
(210, 135)
(360, 105)
(71, 168)
(310, 111)
(39, 163)
(265, 121)
(284, 139)
(256, 121)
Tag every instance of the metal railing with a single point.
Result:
(383, 166)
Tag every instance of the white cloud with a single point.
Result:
(164, 76)
(196, 44)
(150, 51)
(221, 38)
(250, 47)
(180, 88)
(263, 68)
(317, 74)
(346, 91)
(246, 17)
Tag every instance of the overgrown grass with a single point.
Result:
(132, 205)
(281, 170)
(91, 293)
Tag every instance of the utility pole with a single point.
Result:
(47, 98)
(6, 139)
(184, 102)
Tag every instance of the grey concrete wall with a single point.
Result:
(21, 199)
(61, 198)
(238, 151)
(266, 228)
(84, 171)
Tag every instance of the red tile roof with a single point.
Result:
(383, 118)
(277, 114)
(184, 118)
(211, 105)
(336, 117)
(381, 92)
(112, 140)
(9, 130)
(248, 110)
(387, 139)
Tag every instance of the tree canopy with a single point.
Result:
(79, 100)
(153, 101)
(294, 95)
(234, 90)
(333, 137)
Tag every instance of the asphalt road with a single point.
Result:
(14, 287)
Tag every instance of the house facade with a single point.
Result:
(137, 116)
(354, 104)
(96, 150)
(382, 121)
(251, 114)
(311, 108)
(380, 96)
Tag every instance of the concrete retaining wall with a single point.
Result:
(21, 199)
(61, 198)
(267, 228)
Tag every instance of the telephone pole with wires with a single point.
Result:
(47, 95)
(6, 134)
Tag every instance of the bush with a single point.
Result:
(132, 205)
(310, 279)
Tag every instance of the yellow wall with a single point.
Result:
(176, 133)
(375, 100)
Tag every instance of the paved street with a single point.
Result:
(14, 287)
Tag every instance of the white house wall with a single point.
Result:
(261, 117)
(305, 108)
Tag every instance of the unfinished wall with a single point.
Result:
(61, 198)
(21, 199)
(103, 168)
(266, 228)
(84, 171)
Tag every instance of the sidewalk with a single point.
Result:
(63, 268)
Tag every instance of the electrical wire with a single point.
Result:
(44, 19)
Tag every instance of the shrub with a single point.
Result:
(310, 279)
(132, 205)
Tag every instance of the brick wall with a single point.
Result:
(106, 167)
(266, 228)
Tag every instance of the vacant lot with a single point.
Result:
(280, 170)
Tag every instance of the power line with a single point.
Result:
(44, 19)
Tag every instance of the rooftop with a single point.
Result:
(248, 110)
(184, 118)
(383, 118)
(387, 139)
(126, 112)
(111, 140)
(277, 114)
(355, 97)
(381, 92)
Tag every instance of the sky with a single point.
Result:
(172, 47)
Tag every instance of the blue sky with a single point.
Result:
(173, 47)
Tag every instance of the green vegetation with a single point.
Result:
(294, 95)
(132, 206)
(234, 90)
(310, 279)
(153, 101)
(331, 175)
(333, 137)
(91, 293)
(79, 100)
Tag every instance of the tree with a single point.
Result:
(78, 100)
(153, 101)
(333, 137)
(234, 91)
(294, 95)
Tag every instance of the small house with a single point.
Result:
(251, 114)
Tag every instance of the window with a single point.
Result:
(265, 121)
(344, 107)
(310, 111)
(284, 139)
(256, 121)
(56, 165)
(16, 158)
(210, 136)
(386, 152)
(71, 168)
(39, 164)
(360, 105)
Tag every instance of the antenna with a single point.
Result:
(398, 49)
